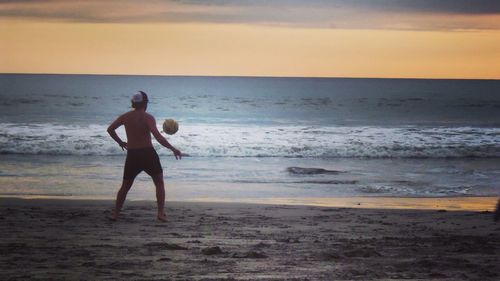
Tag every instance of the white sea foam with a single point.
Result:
(222, 140)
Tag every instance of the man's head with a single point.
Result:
(140, 100)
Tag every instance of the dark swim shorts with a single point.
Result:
(143, 159)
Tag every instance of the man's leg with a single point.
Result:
(120, 197)
(160, 195)
(496, 215)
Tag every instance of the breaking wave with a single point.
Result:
(223, 140)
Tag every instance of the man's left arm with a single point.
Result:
(152, 127)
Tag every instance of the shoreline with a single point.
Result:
(51, 239)
(468, 203)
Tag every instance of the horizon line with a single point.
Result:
(248, 76)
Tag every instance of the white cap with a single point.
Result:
(139, 97)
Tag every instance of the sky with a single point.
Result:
(314, 38)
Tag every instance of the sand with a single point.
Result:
(74, 240)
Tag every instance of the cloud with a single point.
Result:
(345, 14)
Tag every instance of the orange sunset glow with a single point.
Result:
(197, 38)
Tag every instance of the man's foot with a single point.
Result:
(162, 217)
(114, 215)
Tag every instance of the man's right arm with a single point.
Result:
(111, 131)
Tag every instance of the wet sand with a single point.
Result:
(45, 239)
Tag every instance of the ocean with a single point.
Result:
(246, 138)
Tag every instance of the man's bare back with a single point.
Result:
(136, 127)
(138, 133)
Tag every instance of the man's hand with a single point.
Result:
(123, 145)
(177, 153)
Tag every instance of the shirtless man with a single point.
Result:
(141, 156)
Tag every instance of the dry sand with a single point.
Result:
(75, 240)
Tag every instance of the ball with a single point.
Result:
(170, 126)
